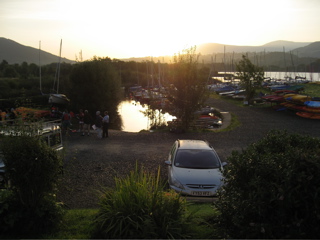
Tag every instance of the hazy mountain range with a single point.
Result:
(276, 46)
(14, 52)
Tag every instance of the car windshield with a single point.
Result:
(200, 159)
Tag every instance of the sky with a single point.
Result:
(140, 28)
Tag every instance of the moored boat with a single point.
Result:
(59, 99)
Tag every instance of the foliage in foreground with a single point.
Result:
(77, 223)
(273, 189)
(139, 208)
(28, 207)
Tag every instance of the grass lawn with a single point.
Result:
(312, 89)
(77, 223)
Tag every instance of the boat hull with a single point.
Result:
(58, 99)
(308, 115)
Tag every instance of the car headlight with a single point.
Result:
(176, 183)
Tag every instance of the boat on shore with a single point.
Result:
(313, 104)
(308, 115)
(32, 112)
(58, 99)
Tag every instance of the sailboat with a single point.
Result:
(58, 98)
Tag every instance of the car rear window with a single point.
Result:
(200, 159)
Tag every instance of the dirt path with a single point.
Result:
(92, 164)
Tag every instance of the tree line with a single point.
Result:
(100, 84)
(94, 84)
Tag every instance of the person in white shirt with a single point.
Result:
(105, 122)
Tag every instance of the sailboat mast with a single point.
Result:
(151, 59)
(285, 63)
(59, 67)
(40, 67)
(224, 62)
(159, 76)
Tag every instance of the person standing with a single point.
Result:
(105, 122)
(81, 123)
(98, 123)
(2, 117)
(66, 121)
(87, 120)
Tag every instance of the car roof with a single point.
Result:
(194, 144)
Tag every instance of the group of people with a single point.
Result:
(101, 124)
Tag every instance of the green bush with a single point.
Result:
(272, 189)
(139, 208)
(29, 206)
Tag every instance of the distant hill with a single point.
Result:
(301, 49)
(311, 50)
(14, 52)
(276, 46)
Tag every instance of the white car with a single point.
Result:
(194, 168)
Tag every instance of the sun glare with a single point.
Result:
(142, 28)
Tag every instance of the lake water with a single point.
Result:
(132, 116)
(134, 120)
(281, 75)
(312, 76)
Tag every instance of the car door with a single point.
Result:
(171, 157)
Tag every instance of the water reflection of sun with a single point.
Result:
(133, 119)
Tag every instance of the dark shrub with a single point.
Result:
(273, 189)
(29, 207)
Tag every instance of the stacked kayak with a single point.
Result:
(305, 106)
(293, 106)
(279, 96)
(308, 115)
(313, 104)
(287, 87)
(297, 98)
(31, 112)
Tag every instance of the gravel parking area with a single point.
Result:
(91, 164)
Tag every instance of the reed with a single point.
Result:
(138, 207)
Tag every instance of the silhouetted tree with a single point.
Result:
(10, 72)
(24, 70)
(188, 89)
(251, 77)
(95, 85)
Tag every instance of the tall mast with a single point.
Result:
(285, 63)
(159, 80)
(151, 59)
(137, 73)
(59, 66)
(147, 73)
(40, 66)
(224, 62)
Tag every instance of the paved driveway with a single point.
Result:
(92, 164)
